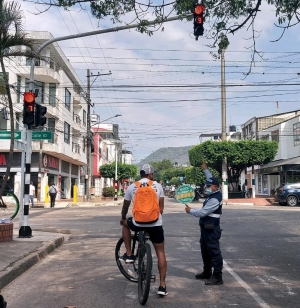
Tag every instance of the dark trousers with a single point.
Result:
(210, 250)
(52, 199)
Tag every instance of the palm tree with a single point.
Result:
(12, 37)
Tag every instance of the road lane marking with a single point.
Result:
(255, 296)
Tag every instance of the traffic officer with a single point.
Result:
(210, 230)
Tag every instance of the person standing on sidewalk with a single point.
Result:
(31, 193)
(52, 192)
(210, 230)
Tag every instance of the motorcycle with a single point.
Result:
(199, 193)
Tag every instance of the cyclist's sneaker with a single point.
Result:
(162, 291)
(127, 259)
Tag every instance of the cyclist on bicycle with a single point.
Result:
(155, 229)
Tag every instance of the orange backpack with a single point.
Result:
(145, 205)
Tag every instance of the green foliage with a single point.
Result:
(125, 171)
(107, 171)
(222, 17)
(108, 192)
(239, 154)
(175, 181)
(160, 167)
(244, 153)
(196, 175)
(172, 172)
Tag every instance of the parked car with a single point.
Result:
(288, 194)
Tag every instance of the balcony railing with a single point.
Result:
(75, 148)
(76, 119)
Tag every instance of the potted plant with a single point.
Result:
(108, 192)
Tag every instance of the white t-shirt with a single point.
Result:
(31, 190)
(129, 196)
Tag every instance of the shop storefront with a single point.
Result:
(54, 170)
(276, 173)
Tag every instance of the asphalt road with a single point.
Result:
(260, 246)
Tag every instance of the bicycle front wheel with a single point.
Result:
(145, 272)
(129, 270)
(9, 205)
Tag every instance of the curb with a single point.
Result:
(19, 267)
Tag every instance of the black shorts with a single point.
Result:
(156, 233)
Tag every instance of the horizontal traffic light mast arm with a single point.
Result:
(115, 29)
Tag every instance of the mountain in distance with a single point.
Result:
(177, 155)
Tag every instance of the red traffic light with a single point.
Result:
(29, 97)
(199, 9)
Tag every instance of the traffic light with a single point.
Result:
(198, 20)
(40, 111)
(28, 108)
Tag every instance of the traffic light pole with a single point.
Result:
(25, 230)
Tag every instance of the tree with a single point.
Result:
(12, 37)
(240, 154)
(222, 17)
(159, 167)
(196, 175)
(125, 171)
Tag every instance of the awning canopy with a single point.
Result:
(289, 164)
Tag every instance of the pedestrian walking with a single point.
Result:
(52, 192)
(210, 230)
(31, 193)
(145, 218)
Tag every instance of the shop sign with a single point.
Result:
(2, 160)
(50, 162)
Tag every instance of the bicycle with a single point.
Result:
(140, 270)
(9, 206)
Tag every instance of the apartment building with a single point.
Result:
(62, 159)
(285, 168)
(107, 149)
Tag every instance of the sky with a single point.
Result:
(167, 86)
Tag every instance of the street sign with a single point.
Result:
(185, 194)
(44, 135)
(6, 134)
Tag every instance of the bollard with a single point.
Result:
(75, 190)
(46, 194)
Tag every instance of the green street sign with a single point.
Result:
(7, 134)
(185, 194)
(44, 135)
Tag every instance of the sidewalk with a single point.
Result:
(63, 203)
(21, 254)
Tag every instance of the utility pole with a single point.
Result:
(88, 139)
(224, 137)
(116, 173)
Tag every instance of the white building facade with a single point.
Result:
(285, 168)
(62, 159)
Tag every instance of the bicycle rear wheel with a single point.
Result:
(129, 270)
(9, 205)
(145, 272)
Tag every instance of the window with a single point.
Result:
(19, 89)
(2, 83)
(84, 117)
(264, 137)
(296, 133)
(275, 135)
(52, 94)
(67, 99)
(67, 133)
(51, 128)
(29, 60)
(37, 86)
